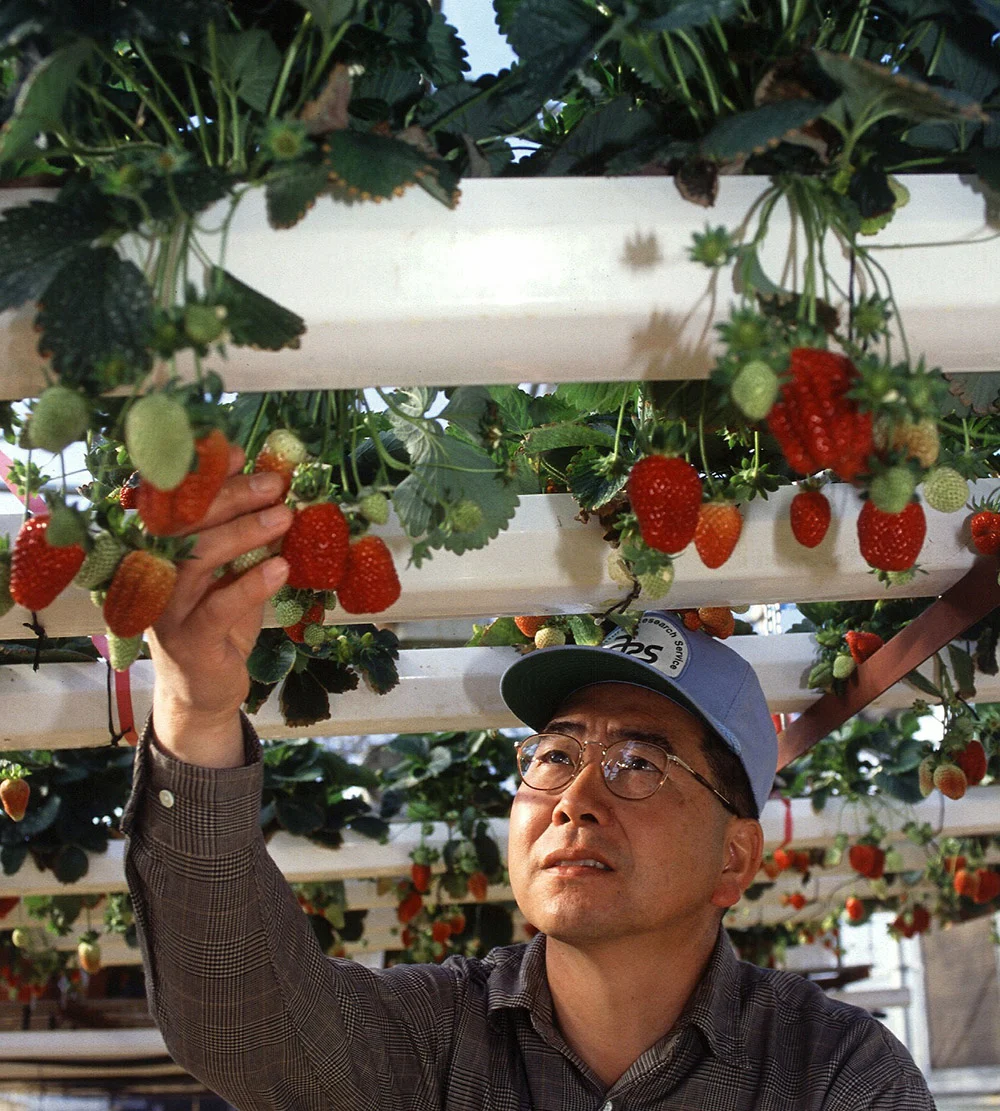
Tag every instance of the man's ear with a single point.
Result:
(742, 854)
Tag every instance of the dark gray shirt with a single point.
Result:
(248, 1002)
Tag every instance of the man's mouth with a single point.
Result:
(579, 862)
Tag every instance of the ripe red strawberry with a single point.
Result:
(665, 492)
(891, 541)
(530, 625)
(985, 528)
(861, 645)
(139, 592)
(478, 884)
(128, 495)
(440, 930)
(169, 511)
(715, 535)
(867, 860)
(370, 582)
(783, 858)
(953, 864)
(809, 515)
(988, 885)
(914, 921)
(282, 452)
(457, 923)
(316, 547)
(313, 616)
(972, 761)
(770, 868)
(410, 907)
(950, 780)
(420, 877)
(796, 900)
(854, 908)
(14, 795)
(815, 423)
(717, 621)
(966, 882)
(39, 572)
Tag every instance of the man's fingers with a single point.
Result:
(222, 611)
(240, 494)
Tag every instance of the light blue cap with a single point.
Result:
(693, 669)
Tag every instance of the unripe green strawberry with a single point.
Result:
(549, 637)
(892, 489)
(375, 508)
(160, 440)
(288, 611)
(204, 323)
(60, 417)
(754, 389)
(466, 516)
(657, 584)
(618, 570)
(123, 651)
(843, 666)
(925, 775)
(820, 676)
(249, 559)
(945, 490)
(314, 635)
(20, 938)
(100, 562)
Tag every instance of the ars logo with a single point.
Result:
(655, 642)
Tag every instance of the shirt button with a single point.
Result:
(166, 799)
(607, 1106)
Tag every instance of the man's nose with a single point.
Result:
(587, 797)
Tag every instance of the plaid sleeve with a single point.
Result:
(245, 999)
(878, 1075)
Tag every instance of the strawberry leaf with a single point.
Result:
(572, 434)
(372, 167)
(298, 816)
(753, 132)
(500, 633)
(303, 700)
(448, 60)
(249, 61)
(97, 314)
(292, 191)
(334, 677)
(377, 660)
(70, 864)
(253, 319)
(330, 13)
(272, 657)
(593, 480)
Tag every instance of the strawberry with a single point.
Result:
(809, 515)
(312, 616)
(529, 625)
(139, 592)
(478, 884)
(843, 666)
(88, 953)
(169, 511)
(987, 884)
(8, 902)
(966, 882)
(665, 492)
(38, 570)
(861, 645)
(123, 651)
(420, 877)
(912, 922)
(754, 389)
(716, 532)
(128, 494)
(441, 930)
(891, 489)
(281, 452)
(100, 562)
(985, 528)
(867, 860)
(375, 508)
(950, 780)
(457, 923)
(549, 637)
(920, 440)
(972, 761)
(691, 619)
(891, 541)
(783, 859)
(160, 439)
(717, 621)
(60, 416)
(770, 868)
(954, 864)
(410, 907)
(815, 423)
(14, 795)
(370, 582)
(925, 775)
(316, 546)
(854, 908)
(945, 490)
(796, 900)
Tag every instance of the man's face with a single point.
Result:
(664, 854)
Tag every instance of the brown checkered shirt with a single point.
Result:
(248, 1003)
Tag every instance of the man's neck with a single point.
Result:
(614, 1001)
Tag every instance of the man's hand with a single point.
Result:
(201, 643)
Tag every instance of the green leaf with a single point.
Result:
(755, 131)
(571, 434)
(39, 105)
(497, 634)
(675, 15)
(963, 671)
(370, 826)
(303, 700)
(585, 629)
(978, 393)
(334, 677)
(467, 407)
(925, 686)
(378, 662)
(600, 135)
(865, 84)
(272, 658)
(372, 167)
(378, 92)
(70, 864)
(185, 191)
(12, 857)
(37, 240)
(298, 816)
(354, 920)
(906, 788)
(258, 694)
(470, 474)
(254, 320)
(555, 37)
(592, 481)
(97, 311)
(291, 191)
(40, 818)
(250, 62)
(595, 397)
(448, 54)
(329, 14)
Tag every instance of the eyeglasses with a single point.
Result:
(632, 769)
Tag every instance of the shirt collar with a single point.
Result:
(518, 980)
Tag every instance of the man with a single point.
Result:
(635, 827)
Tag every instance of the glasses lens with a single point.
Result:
(548, 761)
(635, 769)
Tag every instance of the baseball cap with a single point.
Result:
(690, 667)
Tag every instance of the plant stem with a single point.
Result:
(170, 131)
(202, 127)
(286, 66)
(182, 112)
(220, 105)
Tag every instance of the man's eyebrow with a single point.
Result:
(624, 733)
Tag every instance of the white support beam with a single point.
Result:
(548, 280)
(362, 858)
(548, 561)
